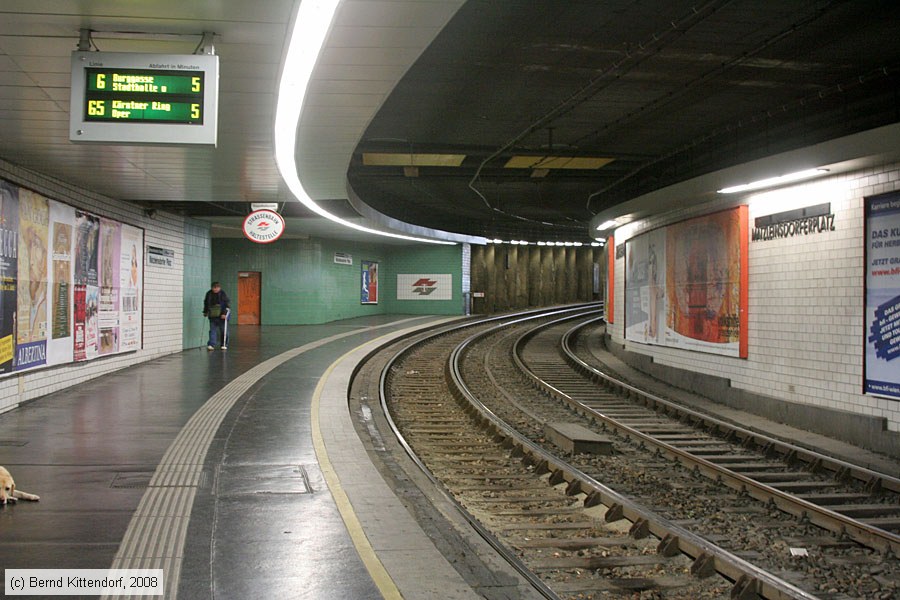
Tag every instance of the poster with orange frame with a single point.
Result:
(706, 283)
(688, 284)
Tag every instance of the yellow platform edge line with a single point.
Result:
(367, 554)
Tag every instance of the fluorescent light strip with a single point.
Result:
(606, 225)
(773, 181)
(307, 39)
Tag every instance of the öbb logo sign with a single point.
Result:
(424, 286)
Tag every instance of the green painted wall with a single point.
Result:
(196, 279)
(424, 259)
(301, 283)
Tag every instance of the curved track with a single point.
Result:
(475, 430)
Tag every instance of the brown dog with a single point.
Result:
(8, 491)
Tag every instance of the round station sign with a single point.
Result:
(263, 226)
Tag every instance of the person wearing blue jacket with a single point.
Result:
(216, 307)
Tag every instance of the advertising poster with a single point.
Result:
(33, 274)
(704, 282)
(62, 246)
(645, 287)
(70, 282)
(79, 313)
(130, 282)
(369, 289)
(9, 249)
(87, 254)
(87, 241)
(686, 284)
(610, 279)
(110, 265)
(91, 322)
(882, 322)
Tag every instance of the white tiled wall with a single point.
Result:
(806, 300)
(162, 290)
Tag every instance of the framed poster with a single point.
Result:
(882, 320)
(686, 285)
(70, 282)
(369, 283)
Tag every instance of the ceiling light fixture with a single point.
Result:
(773, 181)
(556, 162)
(606, 225)
(306, 41)
(393, 159)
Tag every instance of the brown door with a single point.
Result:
(248, 298)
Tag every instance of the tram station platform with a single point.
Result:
(237, 472)
(240, 473)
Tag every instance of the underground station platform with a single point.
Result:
(239, 473)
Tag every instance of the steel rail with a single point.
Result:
(749, 580)
(816, 460)
(505, 552)
(863, 533)
(860, 532)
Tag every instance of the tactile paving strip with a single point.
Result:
(155, 536)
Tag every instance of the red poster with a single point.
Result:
(610, 279)
(706, 277)
(80, 313)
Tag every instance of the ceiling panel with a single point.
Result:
(668, 90)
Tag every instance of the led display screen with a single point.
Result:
(131, 98)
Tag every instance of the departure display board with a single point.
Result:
(144, 98)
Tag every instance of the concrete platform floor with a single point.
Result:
(205, 464)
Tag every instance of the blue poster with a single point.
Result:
(882, 320)
(369, 284)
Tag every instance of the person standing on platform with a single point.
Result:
(216, 307)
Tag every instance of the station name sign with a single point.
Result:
(802, 221)
(132, 98)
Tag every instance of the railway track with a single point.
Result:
(856, 502)
(853, 503)
(581, 538)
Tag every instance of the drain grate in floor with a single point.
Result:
(239, 480)
(131, 479)
(141, 479)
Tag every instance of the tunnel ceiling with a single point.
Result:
(520, 120)
(664, 91)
